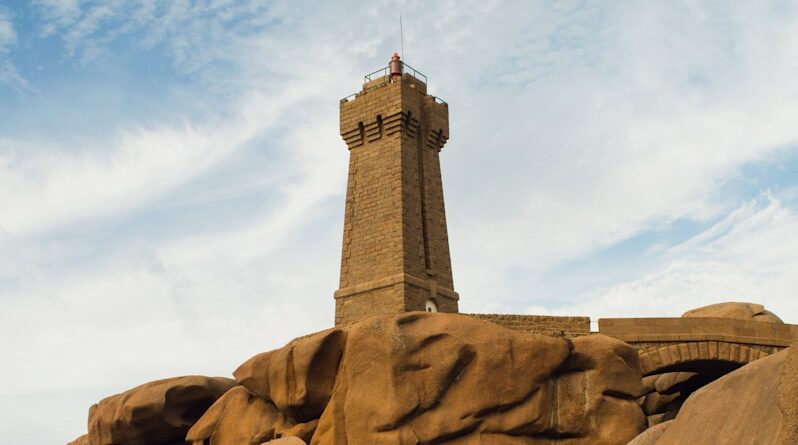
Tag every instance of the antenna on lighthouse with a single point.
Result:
(401, 37)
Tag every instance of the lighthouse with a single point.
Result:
(395, 254)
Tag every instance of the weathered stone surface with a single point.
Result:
(82, 440)
(441, 378)
(656, 419)
(608, 372)
(741, 408)
(651, 435)
(299, 377)
(303, 431)
(408, 379)
(672, 382)
(240, 418)
(670, 391)
(788, 398)
(286, 441)
(739, 311)
(656, 403)
(158, 412)
(649, 383)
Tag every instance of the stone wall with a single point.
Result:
(567, 327)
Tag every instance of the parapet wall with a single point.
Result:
(540, 324)
(659, 330)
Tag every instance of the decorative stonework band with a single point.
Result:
(436, 140)
(396, 279)
(388, 126)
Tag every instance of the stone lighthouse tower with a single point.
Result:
(396, 248)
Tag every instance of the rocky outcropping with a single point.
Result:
(665, 393)
(298, 378)
(404, 379)
(788, 398)
(239, 417)
(450, 379)
(82, 440)
(651, 435)
(286, 441)
(420, 378)
(737, 311)
(159, 412)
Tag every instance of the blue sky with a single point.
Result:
(172, 180)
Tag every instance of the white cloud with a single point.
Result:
(45, 187)
(42, 188)
(640, 126)
(747, 256)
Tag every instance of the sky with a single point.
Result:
(172, 179)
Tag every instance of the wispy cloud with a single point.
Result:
(749, 255)
(9, 75)
(44, 187)
(621, 140)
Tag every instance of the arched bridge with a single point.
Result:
(699, 344)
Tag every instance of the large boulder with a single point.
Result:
(299, 377)
(402, 379)
(666, 393)
(286, 441)
(651, 435)
(675, 382)
(743, 407)
(788, 398)
(82, 440)
(597, 392)
(445, 378)
(738, 311)
(241, 418)
(155, 413)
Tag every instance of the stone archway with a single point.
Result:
(699, 356)
(674, 370)
(678, 356)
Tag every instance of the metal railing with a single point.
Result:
(385, 71)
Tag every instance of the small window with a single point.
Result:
(431, 306)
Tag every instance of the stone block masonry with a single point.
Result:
(566, 327)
